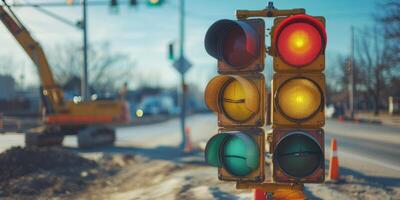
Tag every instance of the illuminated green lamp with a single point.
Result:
(155, 2)
(236, 152)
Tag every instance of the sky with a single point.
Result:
(144, 32)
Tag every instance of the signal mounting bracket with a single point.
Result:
(269, 11)
(271, 187)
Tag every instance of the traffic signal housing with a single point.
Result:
(238, 98)
(298, 100)
(133, 2)
(298, 155)
(155, 2)
(238, 154)
(238, 45)
(298, 45)
(113, 3)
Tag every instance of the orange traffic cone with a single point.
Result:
(259, 194)
(188, 142)
(334, 162)
(341, 119)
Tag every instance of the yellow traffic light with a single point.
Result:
(298, 101)
(299, 98)
(237, 100)
(234, 102)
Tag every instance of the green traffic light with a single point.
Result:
(154, 2)
(212, 152)
(240, 155)
(298, 155)
(237, 152)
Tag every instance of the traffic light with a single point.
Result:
(298, 155)
(113, 3)
(155, 2)
(238, 98)
(70, 2)
(298, 98)
(298, 43)
(239, 154)
(171, 55)
(133, 3)
(239, 46)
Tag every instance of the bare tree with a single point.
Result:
(390, 20)
(7, 65)
(375, 61)
(108, 70)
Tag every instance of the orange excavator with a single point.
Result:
(91, 121)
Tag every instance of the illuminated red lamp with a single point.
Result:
(300, 39)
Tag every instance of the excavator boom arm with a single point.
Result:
(35, 53)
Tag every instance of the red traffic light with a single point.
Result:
(235, 42)
(300, 39)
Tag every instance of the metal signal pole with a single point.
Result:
(84, 78)
(181, 55)
(352, 82)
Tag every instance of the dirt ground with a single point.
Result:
(36, 172)
(140, 173)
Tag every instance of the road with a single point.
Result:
(367, 152)
(369, 149)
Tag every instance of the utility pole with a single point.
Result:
(181, 55)
(84, 78)
(352, 82)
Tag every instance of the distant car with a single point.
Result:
(156, 105)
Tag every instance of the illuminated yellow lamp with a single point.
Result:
(139, 113)
(299, 98)
(234, 102)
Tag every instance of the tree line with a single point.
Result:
(376, 61)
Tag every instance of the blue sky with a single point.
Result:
(143, 32)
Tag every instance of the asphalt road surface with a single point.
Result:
(369, 149)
